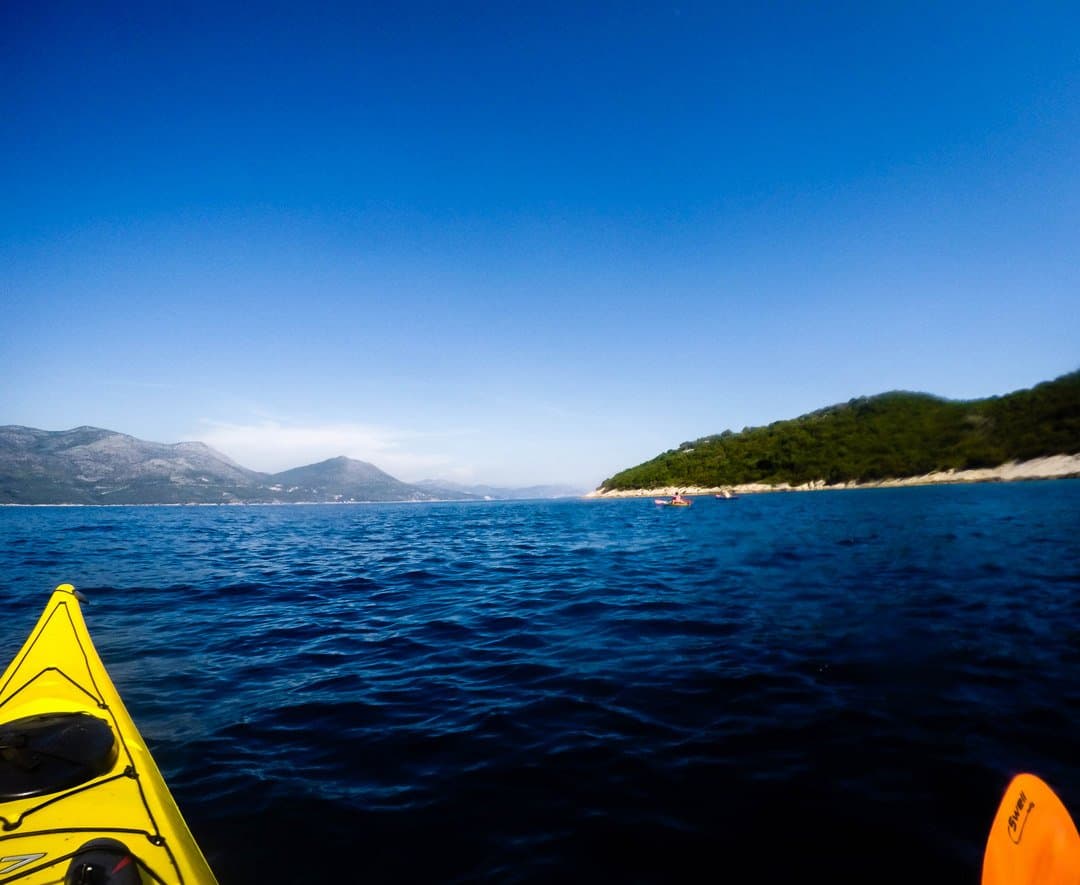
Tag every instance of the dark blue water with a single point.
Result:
(832, 683)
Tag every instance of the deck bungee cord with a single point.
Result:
(81, 798)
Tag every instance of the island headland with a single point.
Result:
(892, 439)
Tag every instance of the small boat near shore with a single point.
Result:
(677, 501)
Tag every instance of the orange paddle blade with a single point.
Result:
(1033, 839)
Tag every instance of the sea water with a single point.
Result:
(835, 684)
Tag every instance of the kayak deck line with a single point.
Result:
(153, 836)
(96, 695)
(50, 866)
(75, 773)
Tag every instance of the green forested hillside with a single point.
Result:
(894, 434)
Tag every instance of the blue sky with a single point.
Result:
(525, 243)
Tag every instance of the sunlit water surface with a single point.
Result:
(834, 683)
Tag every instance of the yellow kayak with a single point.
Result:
(82, 801)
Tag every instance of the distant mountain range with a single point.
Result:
(89, 465)
(499, 492)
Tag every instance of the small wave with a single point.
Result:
(547, 691)
(91, 528)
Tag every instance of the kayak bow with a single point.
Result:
(81, 798)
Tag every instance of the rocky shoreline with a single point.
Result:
(1050, 467)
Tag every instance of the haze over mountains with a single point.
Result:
(891, 435)
(90, 465)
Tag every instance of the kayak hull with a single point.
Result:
(56, 689)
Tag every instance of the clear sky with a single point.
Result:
(519, 243)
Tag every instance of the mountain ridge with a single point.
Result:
(94, 465)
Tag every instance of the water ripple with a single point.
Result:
(539, 691)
